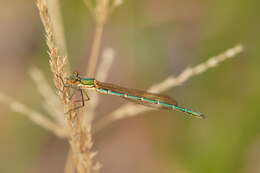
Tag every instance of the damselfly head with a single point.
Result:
(73, 79)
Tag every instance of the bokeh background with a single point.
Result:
(152, 39)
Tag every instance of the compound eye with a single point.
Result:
(76, 73)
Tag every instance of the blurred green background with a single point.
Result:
(152, 39)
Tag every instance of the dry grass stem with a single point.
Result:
(101, 13)
(79, 135)
(130, 109)
(90, 7)
(95, 51)
(58, 64)
(34, 116)
(51, 103)
(55, 13)
(117, 3)
(197, 70)
(81, 144)
(107, 59)
(69, 166)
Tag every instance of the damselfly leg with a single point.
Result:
(82, 101)
(74, 90)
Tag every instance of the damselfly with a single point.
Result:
(137, 96)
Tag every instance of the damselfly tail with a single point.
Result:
(194, 114)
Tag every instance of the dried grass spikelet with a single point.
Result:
(33, 115)
(79, 134)
(58, 64)
(129, 109)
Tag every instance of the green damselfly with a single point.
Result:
(137, 96)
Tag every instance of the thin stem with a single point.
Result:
(95, 51)
(70, 165)
(50, 99)
(101, 14)
(55, 14)
(102, 73)
(129, 109)
(34, 116)
(80, 137)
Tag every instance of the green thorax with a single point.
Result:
(89, 82)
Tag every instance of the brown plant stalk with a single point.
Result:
(79, 135)
(100, 13)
